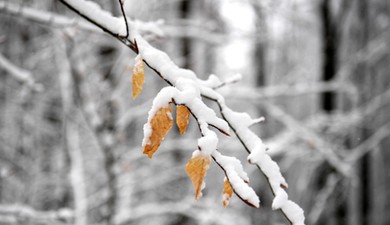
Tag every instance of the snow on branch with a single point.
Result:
(186, 89)
(20, 74)
(41, 16)
(13, 214)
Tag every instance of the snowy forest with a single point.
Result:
(195, 112)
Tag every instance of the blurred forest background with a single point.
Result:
(70, 134)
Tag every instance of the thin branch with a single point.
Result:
(322, 198)
(369, 144)
(321, 145)
(45, 17)
(130, 44)
(21, 75)
(286, 90)
(124, 40)
(16, 213)
(121, 3)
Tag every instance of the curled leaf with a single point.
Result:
(160, 126)
(196, 169)
(182, 118)
(138, 76)
(227, 193)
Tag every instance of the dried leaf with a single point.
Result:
(182, 118)
(138, 76)
(196, 169)
(227, 193)
(160, 124)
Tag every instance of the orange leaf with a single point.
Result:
(160, 124)
(138, 76)
(227, 193)
(196, 169)
(182, 118)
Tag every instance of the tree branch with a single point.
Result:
(21, 75)
(15, 213)
(157, 60)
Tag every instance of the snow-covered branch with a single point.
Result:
(186, 89)
(19, 74)
(45, 17)
(286, 90)
(321, 145)
(13, 214)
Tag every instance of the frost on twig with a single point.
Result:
(186, 89)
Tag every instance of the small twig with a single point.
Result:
(18, 212)
(44, 17)
(369, 144)
(322, 198)
(19, 74)
(121, 2)
(323, 147)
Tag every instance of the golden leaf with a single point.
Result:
(160, 124)
(138, 76)
(227, 193)
(182, 118)
(196, 169)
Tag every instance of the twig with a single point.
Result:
(20, 74)
(285, 90)
(72, 135)
(322, 198)
(16, 213)
(322, 146)
(369, 144)
(121, 2)
(44, 17)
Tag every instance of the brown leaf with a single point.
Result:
(227, 193)
(138, 76)
(160, 124)
(182, 118)
(196, 169)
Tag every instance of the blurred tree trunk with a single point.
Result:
(330, 43)
(348, 29)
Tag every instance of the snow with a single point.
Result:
(209, 142)
(294, 213)
(100, 16)
(237, 178)
(280, 199)
(212, 81)
(188, 90)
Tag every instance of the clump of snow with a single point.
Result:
(294, 213)
(208, 143)
(100, 16)
(237, 178)
(280, 199)
(256, 154)
(212, 81)
(162, 100)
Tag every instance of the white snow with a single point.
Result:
(187, 89)
(237, 178)
(114, 24)
(280, 199)
(209, 142)
(294, 213)
(100, 16)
